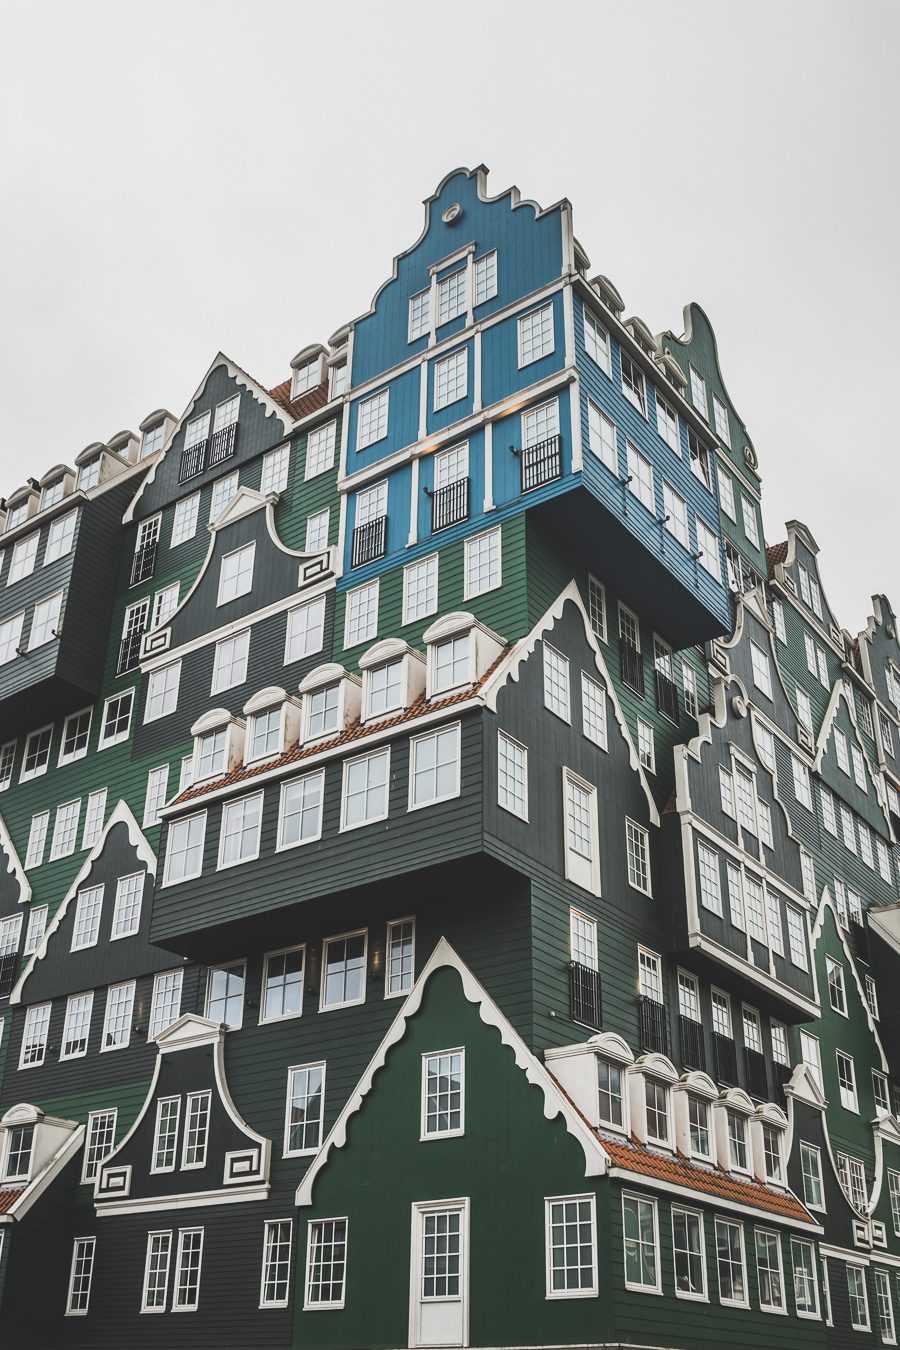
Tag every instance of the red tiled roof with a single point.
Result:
(8, 1199)
(302, 406)
(634, 1157)
(777, 553)
(297, 753)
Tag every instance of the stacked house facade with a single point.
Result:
(449, 881)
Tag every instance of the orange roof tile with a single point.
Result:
(634, 1157)
(303, 406)
(8, 1199)
(776, 553)
(297, 753)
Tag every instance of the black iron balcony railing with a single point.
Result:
(450, 505)
(584, 995)
(859, 939)
(666, 696)
(631, 666)
(143, 563)
(7, 973)
(541, 463)
(654, 1031)
(129, 651)
(693, 1055)
(369, 541)
(757, 1074)
(193, 461)
(725, 1060)
(223, 444)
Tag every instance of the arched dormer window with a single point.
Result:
(768, 1126)
(273, 723)
(695, 1135)
(732, 1111)
(218, 744)
(651, 1080)
(331, 702)
(594, 1076)
(393, 678)
(460, 651)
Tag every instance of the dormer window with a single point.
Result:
(656, 1101)
(611, 1094)
(393, 678)
(273, 721)
(452, 663)
(16, 515)
(218, 744)
(774, 1167)
(384, 689)
(264, 734)
(698, 1128)
(460, 651)
(210, 755)
(331, 701)
(338, 380)
(52, 493)
(152, 440)
(88, 476)
(307, 375)
(19, 1152)
(322, 711)
(738, 1155)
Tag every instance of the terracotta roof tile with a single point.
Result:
(634, 1157)
(776, 553)
(297, 753)
(302, 406)
(8, 1199)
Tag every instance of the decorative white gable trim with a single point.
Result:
(122, 815)
(14, 864)
(509, 668)
(555, 1104)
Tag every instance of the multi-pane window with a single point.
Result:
(738, 1151)
(796, 930)
(305, 632)
(60, 537)
(326, 1263)
(361, 615)
(483, 566)
(894, 1192)
(597, 607)
(372, 420)
(165, 1005)
(276, 468)
(65, 829)
(836, 992)
(536, 335)
(317, 526)
(420, 589)
(688, 996)
(676, 517)
(37, 923)
(306, 376)
(829, 814)
(773, 913)
(699, 459)
(667, 424)
(7, 760)
(858, 1298)
(401, 951)
(804, 707)
(641, 1242)
(264, 734)
(19, 1150)
(597, 344)
(871, 993)
(752, 1029)
(184, 850)
(419, 314)
(571, 1246)
(236, 574)
(698, 394)
(762, 674)
(748, 515)
(443, 1093)
(847, 829)
(80, 1276)
(344, 971)
(156, 1272)
(641, 481)
(688, 1253)
(736, 896)
(611, 1093)
(276, 1264)
(116, 719)
(708, 547)
(384, 688)
(646, 747)
(772, 1159)
(162, 691)
(240, 832)
(541, 423)
(768, 1270)
(852, 1177)
(117, 1019)
(230, 662)
(165, 1138)
(881, 1091)
(434, 766)
(780, 1051)
(77, 1026)
(100, 1137)
(885, 1307)
(451, 296)
(556, 682)
(811, 1172)
(365, 789)
(580, 831)
(637, 841)
(186, 1290)
(23, 558)
(225, 994)
(764, 815)
(730, 1262)
(846, 1073)
(698, 1128)
(745, 793)
(485, 277)
(76, 733)
(451, 379)
(127, 911)
(184, 519)
(860, 777)
(10, 635)
(802, 784)
(512, 776)
(196, 1129)
(37, 754)
(721, 1014)
(633, 384)
(320, 446)
(300, 814)
(656, 1105)
(45, 623)
(451, 663)
(222, 492)
(811, 1054)
(88, 908)
(602, 437)
(726, 792)
(726, 495)
(593, 711)
(305, 1108)
(282, 985)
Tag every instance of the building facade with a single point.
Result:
(449, 886)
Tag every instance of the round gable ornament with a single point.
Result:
(452, 214)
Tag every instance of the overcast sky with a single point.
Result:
(179, 178)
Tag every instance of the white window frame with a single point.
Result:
(582, 1291)
(656, 1287)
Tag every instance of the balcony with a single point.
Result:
(693, 1054)
(193, 460)
(654, 1033)
(143, 564)
(223, 444)
(725, 1060)
(757, 1074)
(450, 505)
(667, 696)
(369, 541)
(541, 463)
(7, 973)
(584, 995)
(631, 667)
(129, 651)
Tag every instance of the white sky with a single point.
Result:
(179, 178)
